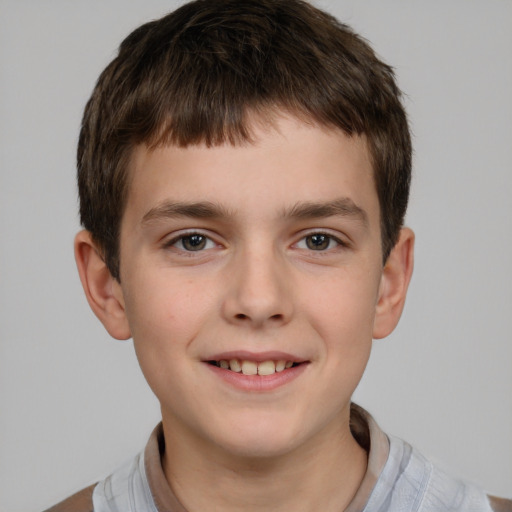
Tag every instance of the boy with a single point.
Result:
(244, 169)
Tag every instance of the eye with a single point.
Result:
(192, 242)
(319, 242)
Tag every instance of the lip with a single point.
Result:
(258, 383)
(257, 357)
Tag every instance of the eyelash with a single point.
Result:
(328, 237)
(206, 240)
(189, 236)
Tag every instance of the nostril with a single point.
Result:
(242, 316)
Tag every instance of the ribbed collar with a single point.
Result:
(364, 429)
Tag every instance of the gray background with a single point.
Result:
(73, 404)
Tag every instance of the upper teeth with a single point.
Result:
(254, 368)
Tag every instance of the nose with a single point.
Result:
(258, 290)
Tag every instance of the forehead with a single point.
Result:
(287, 161)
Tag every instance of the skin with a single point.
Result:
(258, 284)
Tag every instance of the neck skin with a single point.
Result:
(322, 474)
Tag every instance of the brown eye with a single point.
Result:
(193, 242)
(318, 242)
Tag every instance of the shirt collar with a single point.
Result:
(364, 429)
(370, 437)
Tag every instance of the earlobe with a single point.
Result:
(395, 279)
(103, 292)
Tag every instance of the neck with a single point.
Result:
(322, 474)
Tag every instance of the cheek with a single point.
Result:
(342, 311)
(348, 299)
(165, 316)
(163, 303)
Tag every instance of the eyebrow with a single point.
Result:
(341, 207)
(196, 210)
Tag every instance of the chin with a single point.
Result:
(259, 439)
(259, 448)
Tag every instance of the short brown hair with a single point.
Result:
(195, 75)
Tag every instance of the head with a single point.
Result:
(203, 73)
(243, 170)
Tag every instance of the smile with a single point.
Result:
(247, 367)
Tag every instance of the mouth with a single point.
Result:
(248, 367)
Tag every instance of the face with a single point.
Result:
(250, 277)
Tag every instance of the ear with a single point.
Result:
(103, 291)
(395, 279)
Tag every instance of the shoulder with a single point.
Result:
(411, 479)
(124, 490)
(79, 502)
(500, 504)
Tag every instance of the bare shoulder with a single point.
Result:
(500, 504)
(79, 502)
